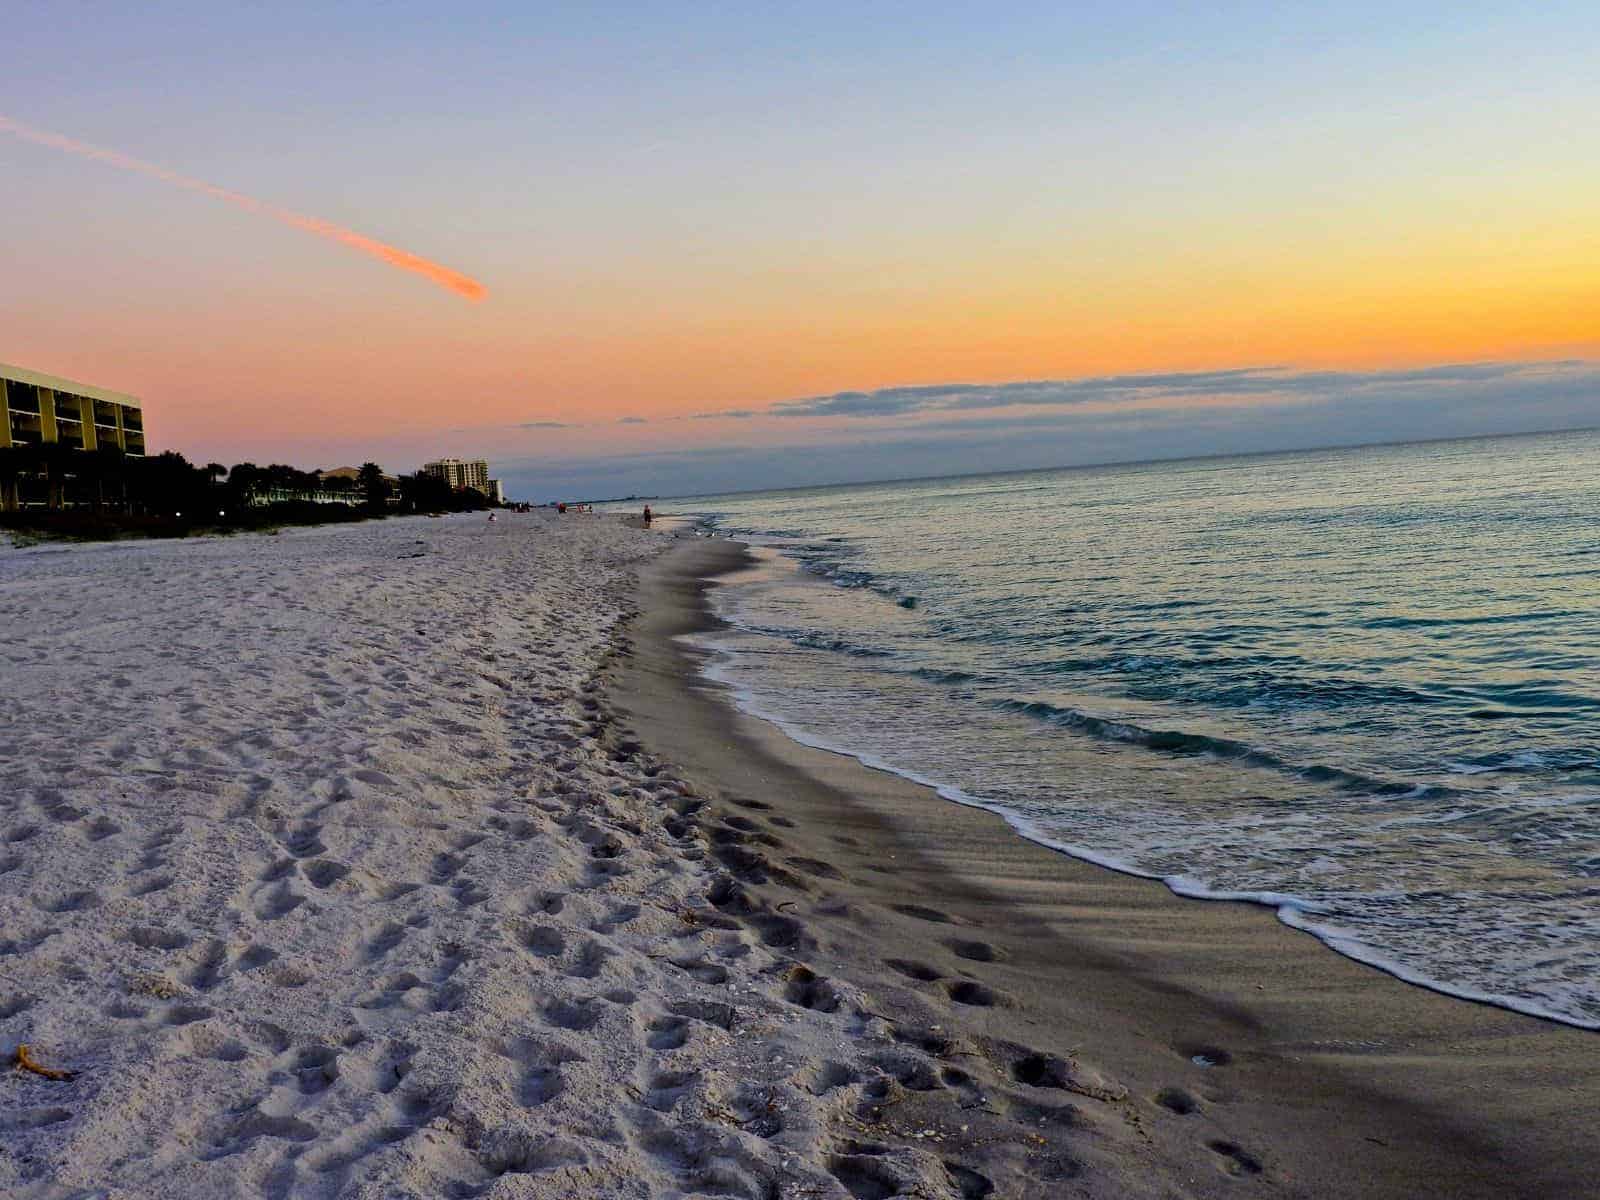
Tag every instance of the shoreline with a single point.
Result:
(1328, 1077)
(355, 877)
(1292, 911)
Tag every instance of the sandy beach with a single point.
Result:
(1093, 1034)
(411, 858)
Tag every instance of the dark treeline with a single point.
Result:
(104, 492)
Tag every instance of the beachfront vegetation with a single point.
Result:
(106, 494)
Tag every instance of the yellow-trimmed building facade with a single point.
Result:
(43, 410)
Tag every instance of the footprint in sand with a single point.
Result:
(809, 990)
(923, 913)
(705, 972)
(911, 1072)
(830, 1075)
(305, 841)
(866, 1177)
(316, 1069)
(666, 1088)
(276, 870)
(1042, 1071)
(759, 1110)
(280, 902)
(520, 1153)
(149, 938)
(667, 1033)
(622, 914)
(207, 970)
(468, 892)
(1235, 1159)
(972, 994)
(544, 941)
(242, 1133)
(324, 872)
(72, 902)
(921, 972)
(929, 1041)
(973, 951)
(780, 931)
(970, 1184)
(712, 1012)
(386, 939)
(590, 961)
(1175, 1099)
(444, 867)
(815, 866)
(579, 1016)
(541, 1080)
(186, 1014)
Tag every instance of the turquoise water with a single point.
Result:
(1359, 685)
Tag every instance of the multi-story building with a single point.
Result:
(41, 410)
(349, 478)
(461, 473)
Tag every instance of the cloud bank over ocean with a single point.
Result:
(1238, 382)
(963, 427)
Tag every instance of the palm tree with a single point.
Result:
(371, 482)
(243, 481)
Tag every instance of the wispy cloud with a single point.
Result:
(545, 425)
(633, 421)
(1177, 386)
(454, 281)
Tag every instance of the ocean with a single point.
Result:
(1360, 686)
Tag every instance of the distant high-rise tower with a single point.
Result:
(461, 473)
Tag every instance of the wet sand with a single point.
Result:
(1063, 1029)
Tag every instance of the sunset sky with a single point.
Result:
(718, 242)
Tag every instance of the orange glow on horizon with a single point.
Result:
(668, 329)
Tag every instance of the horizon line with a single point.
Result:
(1138, 462)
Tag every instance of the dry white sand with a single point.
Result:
(337, 864)
(319, 871)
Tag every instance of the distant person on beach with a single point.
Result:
(647, 514)
(561, 508)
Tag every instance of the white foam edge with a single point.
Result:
(1292, 910)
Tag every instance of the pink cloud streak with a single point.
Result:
(461, 285)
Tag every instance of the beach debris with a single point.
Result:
(26, 1062)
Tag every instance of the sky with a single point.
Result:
(677, 249)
